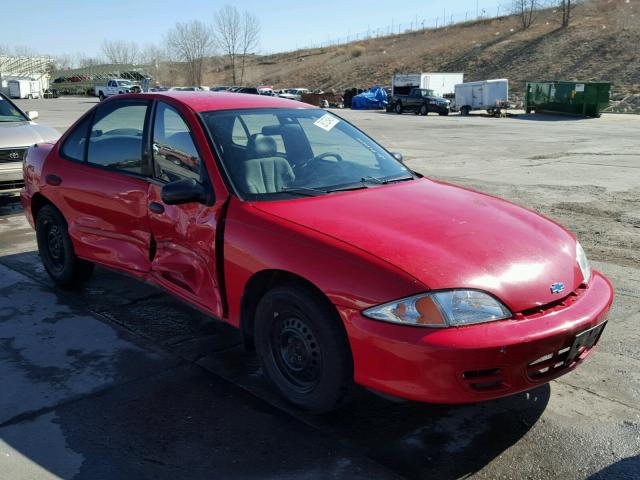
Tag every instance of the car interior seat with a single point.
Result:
(264, 171)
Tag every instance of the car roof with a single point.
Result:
(204, 101)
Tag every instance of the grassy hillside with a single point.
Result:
(602, 43)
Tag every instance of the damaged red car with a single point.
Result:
(337, 262)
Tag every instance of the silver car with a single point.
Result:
(17, 133)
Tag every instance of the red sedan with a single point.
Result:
(338, 263)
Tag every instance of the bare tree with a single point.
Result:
(227, 27)
(120, 51)
(63, 62)
(566, 8)
(249, 38)
(191, 43)
(236, 35)
(526, 10)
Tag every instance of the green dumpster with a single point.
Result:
(570, 98)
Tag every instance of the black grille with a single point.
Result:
(11, 154)
(11, 185)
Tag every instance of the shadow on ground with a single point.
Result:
(214, 414)
(548, 117)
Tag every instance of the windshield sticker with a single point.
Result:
(326, 122)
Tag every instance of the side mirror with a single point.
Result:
(184, 191)
(32, 114)
(398, 156)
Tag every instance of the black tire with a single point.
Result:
(528, 110)
(424, 110)
(303, 348)
(56, 250)
(465, 111)
(101, 96)
(398, 108)
(443, 113)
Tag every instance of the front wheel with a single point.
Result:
(443, 113)
(56, 250)
(424, 110)
(398, 108)
(303, 348)
(101, 96)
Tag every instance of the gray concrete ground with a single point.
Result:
(119, 380)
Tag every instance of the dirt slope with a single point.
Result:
(601, 44)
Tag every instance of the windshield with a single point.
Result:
(9, 112)
(427, 93)
(281, 153)
(124, 83)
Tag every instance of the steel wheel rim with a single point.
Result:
(55, 247)
(297, 353)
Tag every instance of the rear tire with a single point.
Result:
(424, 110)
(398, 108)
(56, 249)
(101, 96)
(444, 113)
(303, 348)
(465, 111)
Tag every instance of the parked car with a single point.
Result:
(219, 88)
(293, 93)
(18, 131)
(116, 86)
(247, 90)
(420, 101)
(336, 261)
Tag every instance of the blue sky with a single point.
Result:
(73, 26)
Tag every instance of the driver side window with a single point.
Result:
(174, 154)
(115, 140)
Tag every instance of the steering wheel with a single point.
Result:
(322, 156)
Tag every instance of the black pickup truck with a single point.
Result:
(420, 101)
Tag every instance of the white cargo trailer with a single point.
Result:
(442, 84)
(489, 95)
(24, 88)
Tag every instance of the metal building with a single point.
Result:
(82, 81)
(24, 68)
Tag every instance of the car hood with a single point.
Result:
(448, 237)
(24, 134)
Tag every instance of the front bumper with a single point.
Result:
(11, 180)
(476, 362)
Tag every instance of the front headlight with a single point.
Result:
(581, 258)
(445, 308)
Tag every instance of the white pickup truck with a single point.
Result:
(116, 86)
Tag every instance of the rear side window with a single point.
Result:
(174, 154)
(73, 146)
(115, 140)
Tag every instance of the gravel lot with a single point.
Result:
(121, 380)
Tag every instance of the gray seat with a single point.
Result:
(263, 170)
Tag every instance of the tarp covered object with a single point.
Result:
(372, 99)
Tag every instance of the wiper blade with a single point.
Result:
(384, 181)
(346, 188)
(307, 191)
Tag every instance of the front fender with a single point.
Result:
(255, 240)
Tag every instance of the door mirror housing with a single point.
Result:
(398, 156)
(32, 114)
(182, 191)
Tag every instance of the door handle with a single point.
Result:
(53, 180)
(156, 207)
